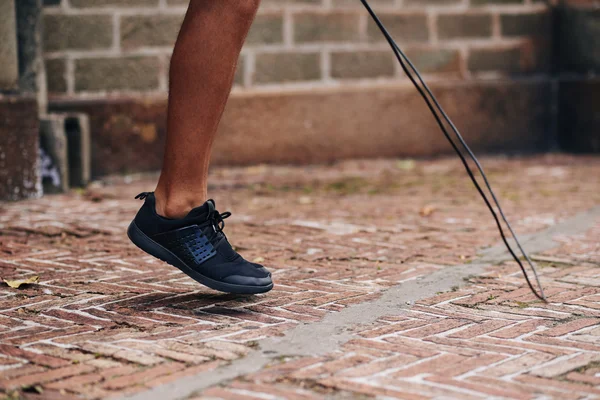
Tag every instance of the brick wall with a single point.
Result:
(99, 46)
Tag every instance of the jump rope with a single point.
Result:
(436, 109)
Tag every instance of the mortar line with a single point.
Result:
(332, 329)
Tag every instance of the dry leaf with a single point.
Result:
(17, 283)
(256, 169)
(258, 260)
(406, 165)
(305, 200)
(427, 211)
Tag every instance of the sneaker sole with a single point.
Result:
(141, 240)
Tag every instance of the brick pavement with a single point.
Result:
(491, 338)
(105, 320)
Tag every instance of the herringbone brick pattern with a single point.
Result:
(106, 319)
(489, 339)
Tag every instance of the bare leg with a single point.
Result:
(201, 75)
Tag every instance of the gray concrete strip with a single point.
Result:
(544, 241)
(327, 335)
(320, 337)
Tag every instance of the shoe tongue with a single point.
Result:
(203, 211)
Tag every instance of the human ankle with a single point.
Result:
(176, 207)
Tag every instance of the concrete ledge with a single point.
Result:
(19, 175)
(326, 124)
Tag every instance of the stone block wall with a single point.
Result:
(316, 82)
(97, 46)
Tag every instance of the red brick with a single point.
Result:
(142, 377)
(575, 346)
(566, 386)
(338, 365)
(75, 382)
(394, 328)
(571, 327)
(479, 345)
(369, 390)
(79, 318)
(480, 329)
(273, 373)
(578, 377)
(20, 371)
(430, 365)
(35, 358)
(519, 387)
(489, 390)
(435, 328)
(520, 329)
(283, 314)
(47, 376)
(200, 369)
(225, 394)
(291, 393)
(517, 365)
(399, 348)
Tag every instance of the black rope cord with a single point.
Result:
(424, 91)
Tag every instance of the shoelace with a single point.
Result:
(215, 220)
(143, 195)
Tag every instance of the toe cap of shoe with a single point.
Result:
(249, 280)
(251, 275)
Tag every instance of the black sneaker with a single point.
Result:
(197, 246)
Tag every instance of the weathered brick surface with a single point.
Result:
(300, 41)
(107, 319)
(451, 347)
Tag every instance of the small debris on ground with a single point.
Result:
(16, 284)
